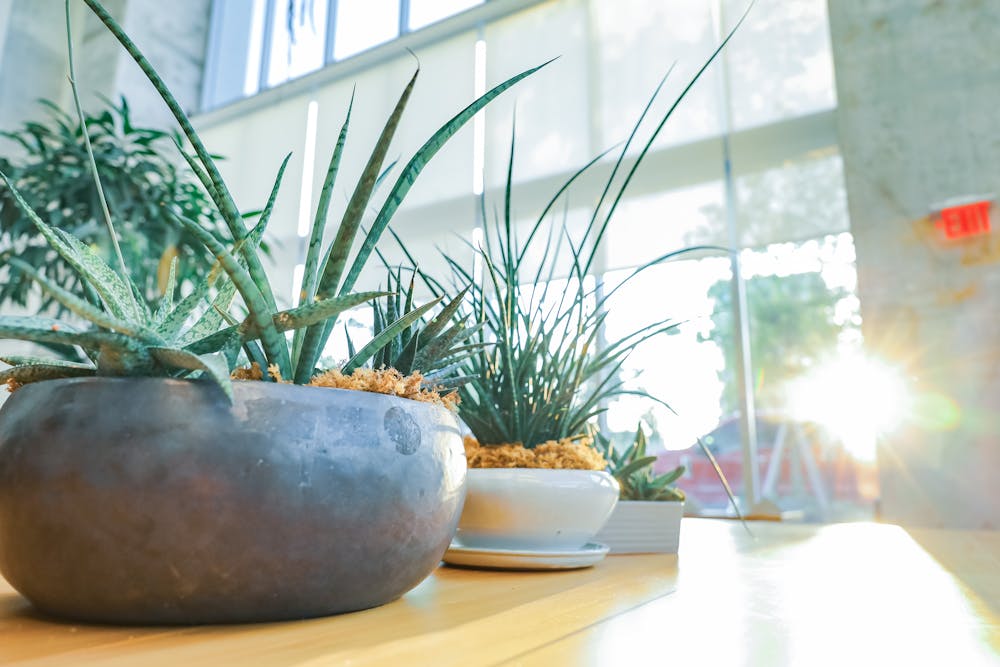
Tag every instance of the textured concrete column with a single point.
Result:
(917, 82)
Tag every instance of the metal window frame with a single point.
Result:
(213, 61)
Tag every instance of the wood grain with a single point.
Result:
(861, 593)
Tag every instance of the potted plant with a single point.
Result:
(144, 485)
(647, 518)
(538, 489)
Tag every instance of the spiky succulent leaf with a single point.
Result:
(213, 365)
(213, 317)
(85, 309)
(316, 338)
(117, 296)
(385, 337)
(275, 347)
(218, 190)
(166, 305)
(286, 320)
(27, 374)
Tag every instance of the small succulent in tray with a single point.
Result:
(634, 470)
(198, 334)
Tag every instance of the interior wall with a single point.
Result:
(916, 81)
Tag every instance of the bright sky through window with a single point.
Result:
(362, 24)
(425, 12)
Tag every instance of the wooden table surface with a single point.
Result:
(848, 594)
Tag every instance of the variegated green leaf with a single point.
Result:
(166, 305)
(212, 365)
(219, 191)
(177, 317)
(28, 360)
(85, 309)
(286, 320)
(336, 257)
(43, 330)
(275, 346)
(117, 296)
(387, 334)
(211, 319)
(310, 275)
(416, 165)
(39, 372)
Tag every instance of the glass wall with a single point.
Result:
(748, 163)
(259, 44)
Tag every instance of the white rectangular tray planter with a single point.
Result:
(643, 526)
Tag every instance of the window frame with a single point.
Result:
(405, 38)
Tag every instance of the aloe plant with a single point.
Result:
(436, 347)
(198, 334)
(634, 470)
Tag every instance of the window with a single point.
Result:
(259, 44)
(749, 161)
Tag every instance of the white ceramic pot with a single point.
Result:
(529, 508)
(643, 526)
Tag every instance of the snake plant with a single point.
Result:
(198, 334)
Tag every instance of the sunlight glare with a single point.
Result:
(855, 398)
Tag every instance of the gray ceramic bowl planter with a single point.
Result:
(156, 501)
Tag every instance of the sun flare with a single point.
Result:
(855, 398)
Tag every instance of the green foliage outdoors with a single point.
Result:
(198, 333)
(634, 470)
(793, 325)
(145, 189)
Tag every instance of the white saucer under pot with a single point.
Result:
(507, 559)
(534, 509)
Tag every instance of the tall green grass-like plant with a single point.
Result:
(127, 338)
(543, 375)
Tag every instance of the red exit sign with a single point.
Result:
(964, 220)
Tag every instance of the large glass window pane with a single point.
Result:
(683, 368)
(298, 39)
(255, 48)
(815, 444)
(235, 51)
(552, 107)
(425, 12)
(802, 199)
(362, 24)
(636, 42)
(780, 63)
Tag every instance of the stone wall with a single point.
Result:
(917, 82)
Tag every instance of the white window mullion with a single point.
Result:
(404, 17)
(331, 32)
(265, 55)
